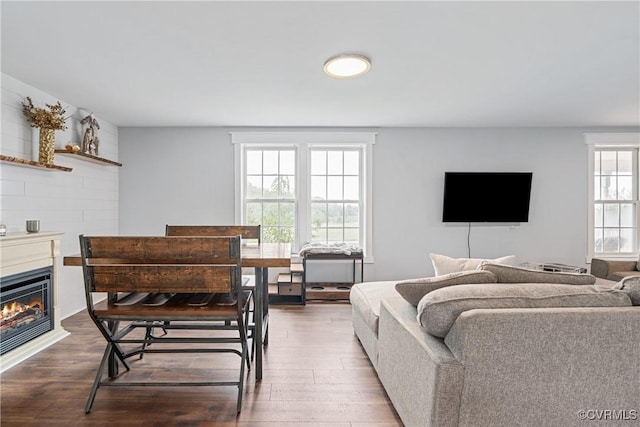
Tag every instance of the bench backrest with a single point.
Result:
(161, 264)
(245, 231)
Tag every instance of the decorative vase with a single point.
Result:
(47, 145)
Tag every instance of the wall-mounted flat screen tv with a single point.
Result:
(486, 196)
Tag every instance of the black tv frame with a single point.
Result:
(487, 197)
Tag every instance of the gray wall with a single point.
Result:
(175, 175)
(186, 175)
(408, 190)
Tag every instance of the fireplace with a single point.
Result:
(26, 302)
(30, 321)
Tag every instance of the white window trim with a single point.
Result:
(608, 140)
(316, 139)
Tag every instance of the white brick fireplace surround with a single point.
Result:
(22, 252)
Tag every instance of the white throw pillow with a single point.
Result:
(443, 264)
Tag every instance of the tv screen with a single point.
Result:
(486, 196)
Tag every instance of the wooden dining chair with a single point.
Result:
(248, 233)
(148, 281)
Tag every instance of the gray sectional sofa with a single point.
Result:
(546, 366)
(614, 269)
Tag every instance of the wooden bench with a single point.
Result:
(246, 232)
(136, 272)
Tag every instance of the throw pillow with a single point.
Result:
(414, 289)
(438, 310)
(630, 285)
(443, 264)
(511, 274)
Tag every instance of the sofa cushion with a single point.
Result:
(605, 283)
(365, 298)
(413, 290)
(511, 274)
(630, 285)
(443, 264)
(438, 310)
(619, 275)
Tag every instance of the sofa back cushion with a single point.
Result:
(443, 264)
(438, 310)
(413, 290)
(511, 274)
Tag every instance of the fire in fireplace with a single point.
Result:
(26, 300)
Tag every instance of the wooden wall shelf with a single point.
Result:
(31, 164)
(89, 157)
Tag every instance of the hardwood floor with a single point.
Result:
(315, 375)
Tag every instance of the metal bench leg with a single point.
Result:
(96, 383)
(241, 382)
(149, 334)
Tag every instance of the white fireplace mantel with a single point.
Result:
(21, 252)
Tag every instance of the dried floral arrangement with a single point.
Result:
(51, 117)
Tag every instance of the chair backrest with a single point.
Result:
(161, 264)
(245, 231)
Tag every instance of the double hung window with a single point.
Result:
(613, 194)
(270, 192)
(335, 195)
(305, 186)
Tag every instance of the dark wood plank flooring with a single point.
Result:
(315, 375)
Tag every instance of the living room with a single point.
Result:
(491, 87)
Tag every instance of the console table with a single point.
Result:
(335, 293)
(554, 267)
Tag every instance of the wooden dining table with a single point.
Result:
(261, 257)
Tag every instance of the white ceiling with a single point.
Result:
(213, 63)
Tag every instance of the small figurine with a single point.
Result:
(90, 141)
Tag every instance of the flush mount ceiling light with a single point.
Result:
(346, 66)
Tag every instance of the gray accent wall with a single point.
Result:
(186, 175)
(175, 176)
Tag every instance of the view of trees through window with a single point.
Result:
(335, 196)
(270, 196)
(330, 203)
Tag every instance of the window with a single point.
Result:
(335, 196)
(305, 186)
(613, 194)
(614, 223)
(269, 192)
